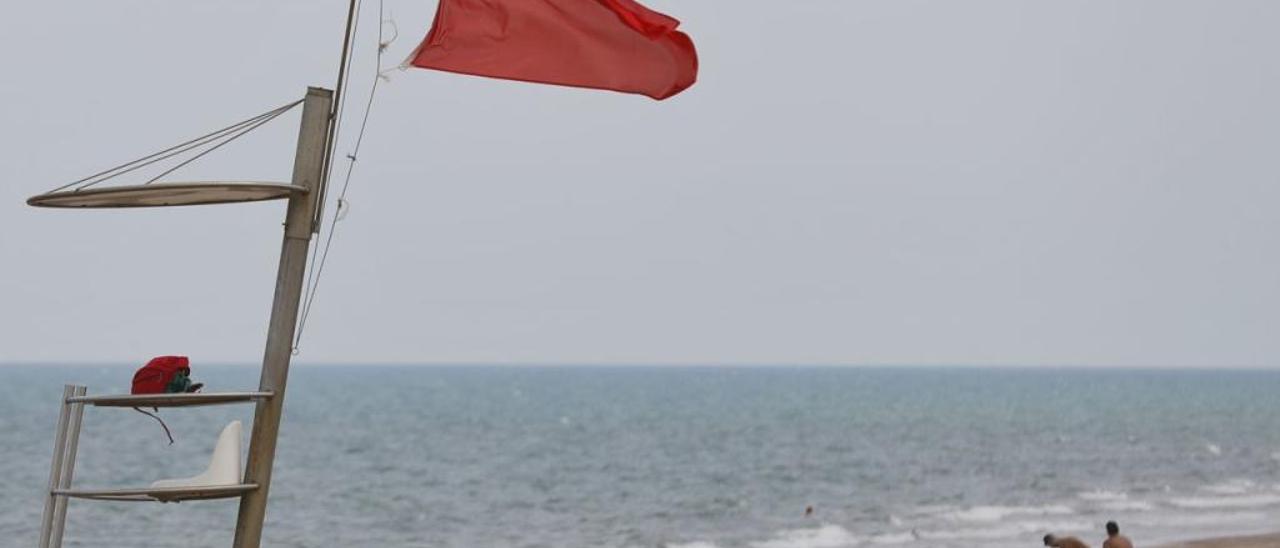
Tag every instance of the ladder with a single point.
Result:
(304, 195)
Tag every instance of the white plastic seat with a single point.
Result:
(224, 466)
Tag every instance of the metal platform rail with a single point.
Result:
(170, 400)
(166, 494)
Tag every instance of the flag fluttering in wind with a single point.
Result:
(616, 45)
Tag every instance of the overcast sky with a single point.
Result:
(851, 182)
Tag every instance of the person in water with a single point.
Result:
(1064, 542)
(1114, 538)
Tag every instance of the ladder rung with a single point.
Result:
(166, 494)
(170, 400)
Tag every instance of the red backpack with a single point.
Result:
(155, 377)
(164, 375)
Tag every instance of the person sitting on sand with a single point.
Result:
(1114, 538)
(1064, 542)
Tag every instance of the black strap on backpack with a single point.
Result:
(162, 424)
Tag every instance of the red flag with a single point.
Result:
(618, 45)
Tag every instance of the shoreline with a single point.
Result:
(1250, 541)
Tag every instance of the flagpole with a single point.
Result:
(331, 139)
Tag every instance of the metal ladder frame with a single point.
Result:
(65, 442)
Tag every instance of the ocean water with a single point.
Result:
(677, 457)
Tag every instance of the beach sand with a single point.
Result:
(1261, 541)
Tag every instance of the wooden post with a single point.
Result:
(308, 171)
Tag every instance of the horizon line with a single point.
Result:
(682, 365)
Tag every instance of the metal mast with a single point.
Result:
(308, 172)
(316, 141)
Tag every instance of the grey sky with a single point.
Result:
(851, 182)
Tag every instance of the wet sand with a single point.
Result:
(1260, 541)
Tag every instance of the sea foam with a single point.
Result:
(1231, 487)
(1101, 495)
(997, 513)
(1127, 506)
(827, 536)
(1240, 501)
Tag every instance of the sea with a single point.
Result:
(676, 457)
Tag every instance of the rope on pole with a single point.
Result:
(313, 281)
